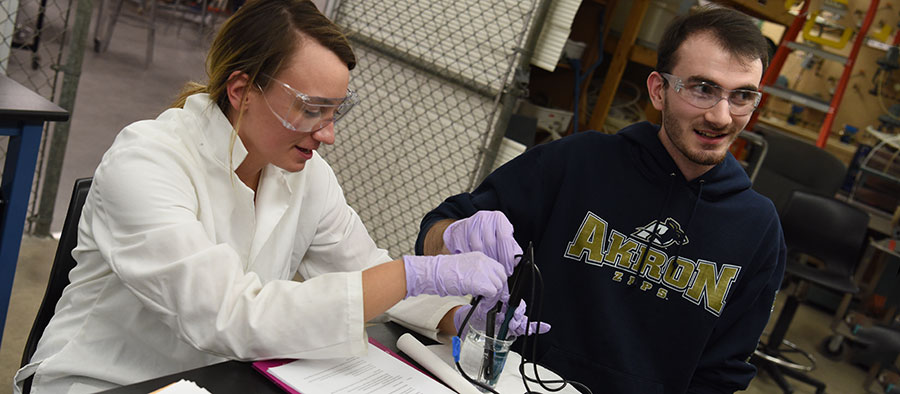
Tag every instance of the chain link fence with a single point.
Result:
(32, 33)
(431, 76)
(34, 38)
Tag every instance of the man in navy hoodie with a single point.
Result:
(660, 264)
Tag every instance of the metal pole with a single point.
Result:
(59, 140)
(513, 93)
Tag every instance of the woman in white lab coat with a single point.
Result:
(198, 220)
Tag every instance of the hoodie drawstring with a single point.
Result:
(662, 208)
(687, 226)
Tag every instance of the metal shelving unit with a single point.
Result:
(882, 162)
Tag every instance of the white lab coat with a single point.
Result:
(178, 267)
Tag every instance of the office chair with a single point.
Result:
(832, 232)
(793, 164)
(63, 262)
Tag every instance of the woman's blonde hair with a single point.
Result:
(256, 40)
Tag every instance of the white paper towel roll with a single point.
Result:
(556, 29)
(415, 349)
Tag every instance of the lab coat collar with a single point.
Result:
(219, 136)
(224, 146)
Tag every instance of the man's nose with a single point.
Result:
(720, 114)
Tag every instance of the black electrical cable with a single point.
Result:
(536, 279)
(580, 77)
(458, 367)
(536, 312)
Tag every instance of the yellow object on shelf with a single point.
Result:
(807, 35)
(882, 34)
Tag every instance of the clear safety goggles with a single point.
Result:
(298, 111)
(705, 95)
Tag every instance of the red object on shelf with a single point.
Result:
(845, 76)
(781, 54)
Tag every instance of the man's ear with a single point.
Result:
(237, 88)
(656, 88)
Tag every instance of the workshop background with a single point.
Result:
(452, 89)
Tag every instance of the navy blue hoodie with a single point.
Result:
(682, 316)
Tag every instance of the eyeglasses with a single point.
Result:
(706, 95)
(300, 112)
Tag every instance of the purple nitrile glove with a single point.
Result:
(489, 232)
(455, 275)
(479, 319)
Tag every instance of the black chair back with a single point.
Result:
(792, 164)
(830, 230)
(62, 264)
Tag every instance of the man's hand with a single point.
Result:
(479, 319)
(488, 232)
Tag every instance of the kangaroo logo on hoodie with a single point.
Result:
(663, 234)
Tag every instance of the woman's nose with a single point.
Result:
(325, 135)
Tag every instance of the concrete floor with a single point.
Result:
(115, 89)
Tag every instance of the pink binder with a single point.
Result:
(264, 365)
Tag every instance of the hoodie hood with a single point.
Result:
(653, 161)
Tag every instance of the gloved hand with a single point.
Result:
(489, 232)
(479, 319)
(455, 275)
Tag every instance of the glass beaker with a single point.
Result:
(483, 357)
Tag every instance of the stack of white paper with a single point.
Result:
(376, 372)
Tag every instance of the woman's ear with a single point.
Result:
(656, 89)
(237, 88)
